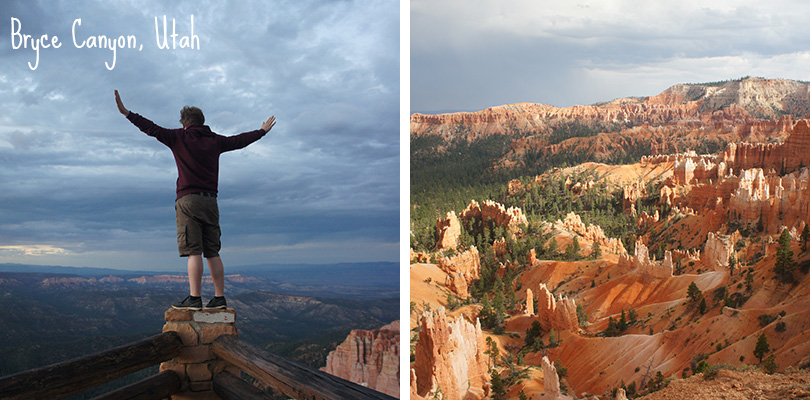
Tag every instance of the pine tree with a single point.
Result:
(762, 347)
(749, 281)
(499, 303)
(784, 258)
(770, 366)
(582, 318)
(805, 236)
(498, 386)
(622, 325)
(553, 249)
(596, 251)
(611, 329)
(486, 312)
(694, 293)
(532, 333)
(572, 250)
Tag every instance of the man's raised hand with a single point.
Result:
(120, 105)
(266, 126)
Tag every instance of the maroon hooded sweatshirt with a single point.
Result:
(196, 151)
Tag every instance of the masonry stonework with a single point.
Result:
(196, 364)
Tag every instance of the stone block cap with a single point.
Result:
(213, 316)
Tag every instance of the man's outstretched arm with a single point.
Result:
(267, 125)
(120, 104)
(241, 140)
(163, 135)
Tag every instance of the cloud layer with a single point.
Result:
(322, 186)
(484, 53)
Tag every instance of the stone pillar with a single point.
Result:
(196, 364)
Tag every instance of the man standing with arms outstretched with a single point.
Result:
(196, 152)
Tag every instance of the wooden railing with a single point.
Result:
(77, 375)
(290, 378)
(293, 379)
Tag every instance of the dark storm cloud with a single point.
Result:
(81, 178)
(488, 52)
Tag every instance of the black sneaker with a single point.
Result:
(190, 303)
(217, 302)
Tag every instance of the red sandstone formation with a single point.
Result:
(631, 193)
(529, 302)
(592, 233)
(551, 381)
(645, 266)
(499, 247)
(461, 269)
(448, 230)
(559, 314)
(449, 357)
(68, 281)
(646, 220)
(369, 358)
(717, 252)
(513, 187)
(788, 156)
(510, 219)
(680, 118)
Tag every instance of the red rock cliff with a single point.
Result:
(449, 357)
(369, 358)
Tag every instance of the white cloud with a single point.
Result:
(35, 250)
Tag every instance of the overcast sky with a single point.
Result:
(473, 54)
(83, 187)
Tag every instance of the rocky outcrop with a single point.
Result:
(692, 168)
(717, 251)
(449, 357)
(499, 247)
(682, 117)
(369, 358)
(621, 395)
(556, 313)
(630, 194)
(448, 231)
(785, 157)
(418, 257)
(551, 381)
(532, 257)
(771, 199)
(513, 187)
(461, 269)
(529, 302)
(645, 219)
(495, 213)
(683, 172)
(592, 233)
(646, 266)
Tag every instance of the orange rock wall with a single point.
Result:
(449, 356)
(369, 358)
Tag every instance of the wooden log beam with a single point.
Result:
(157, 387)
(74, 376)
(230, 387)
(293, 379)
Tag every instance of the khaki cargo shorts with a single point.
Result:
(197, 225)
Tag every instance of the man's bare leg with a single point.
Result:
(217, 275)
(195, 272)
